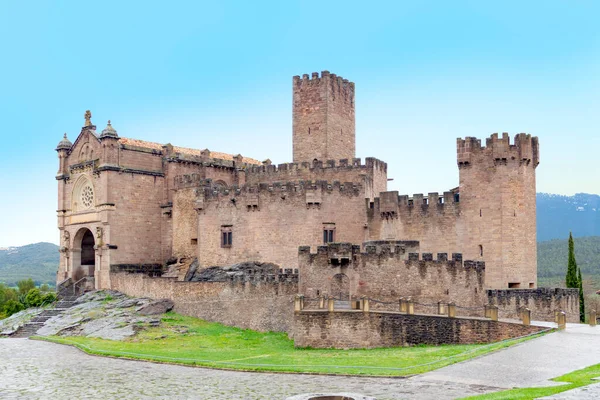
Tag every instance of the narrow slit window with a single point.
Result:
(226, 236)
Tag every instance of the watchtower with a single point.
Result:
(323, 118)
(498, 210)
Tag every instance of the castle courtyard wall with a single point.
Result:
(257, 304)
(358, 329)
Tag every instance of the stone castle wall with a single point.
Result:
(263, 304)
(543, 303)
(357, 329)
(269, 221)
(387, 271)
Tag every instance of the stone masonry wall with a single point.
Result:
(387, 271)
(357, 329)
(422, 218)
(259, 304)
(372, 175)
(542, 302)
(269, 222)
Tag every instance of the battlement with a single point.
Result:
(345, 164)
(525, 150)
(283, 189)
(377, 251)
(341, 88)
(389, 204)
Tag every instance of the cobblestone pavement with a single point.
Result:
(32, 369)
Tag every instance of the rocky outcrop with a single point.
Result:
(156, 307)
(224, 274)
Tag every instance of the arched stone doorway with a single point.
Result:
(84, 255)
(340, 287)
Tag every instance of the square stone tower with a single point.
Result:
(323, 118)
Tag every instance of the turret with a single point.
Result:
(498, 210)
(323, 118)
(110, 145)
(62, 149)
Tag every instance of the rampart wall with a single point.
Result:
(263, 303)
(372, 175)
(357, 329)
(433, 220)
(386, 271)
(543, 302)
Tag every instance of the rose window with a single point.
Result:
(87, 196)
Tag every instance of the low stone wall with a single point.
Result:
(357, 329)
(259, 305)
(542, 302)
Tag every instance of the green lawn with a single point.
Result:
(573, 379)
(187, 340)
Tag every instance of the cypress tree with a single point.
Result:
(581, 299)
(572, 279)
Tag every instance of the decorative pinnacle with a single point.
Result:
(109, 131)
(88, 118)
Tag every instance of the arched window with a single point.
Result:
(83, 196)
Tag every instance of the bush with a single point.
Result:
(12, 307)
(33, 298)
(48, 298)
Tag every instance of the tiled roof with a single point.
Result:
(183, 150)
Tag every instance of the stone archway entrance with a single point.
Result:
(340, 287)
(84, 255)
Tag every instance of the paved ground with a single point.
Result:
(40, 370)
(528, 364)
(590, 392)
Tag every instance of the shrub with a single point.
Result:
(12, 307)
(48, 298)
(33, 298)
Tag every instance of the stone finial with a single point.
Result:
(88, 118)
(109, 131)
(64, 144)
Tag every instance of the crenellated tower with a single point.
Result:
(498, 210)
(323, 118)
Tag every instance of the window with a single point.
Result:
(480, 251)
(514, 285)
(226, 236)
(194, 242)
(328, 233)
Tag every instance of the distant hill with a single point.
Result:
(38, 261)
(558, 215)
(553, 254)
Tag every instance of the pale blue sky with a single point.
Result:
(218, 75)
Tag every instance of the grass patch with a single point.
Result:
(191, 341)
(575, 379)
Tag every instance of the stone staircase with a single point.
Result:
(31, 327)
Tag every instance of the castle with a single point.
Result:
(128, 201)
(326, 219)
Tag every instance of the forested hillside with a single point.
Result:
(38, 261)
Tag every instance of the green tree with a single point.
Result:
(45, 288)
(581, 298)
(572, 279)
(25, 286)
